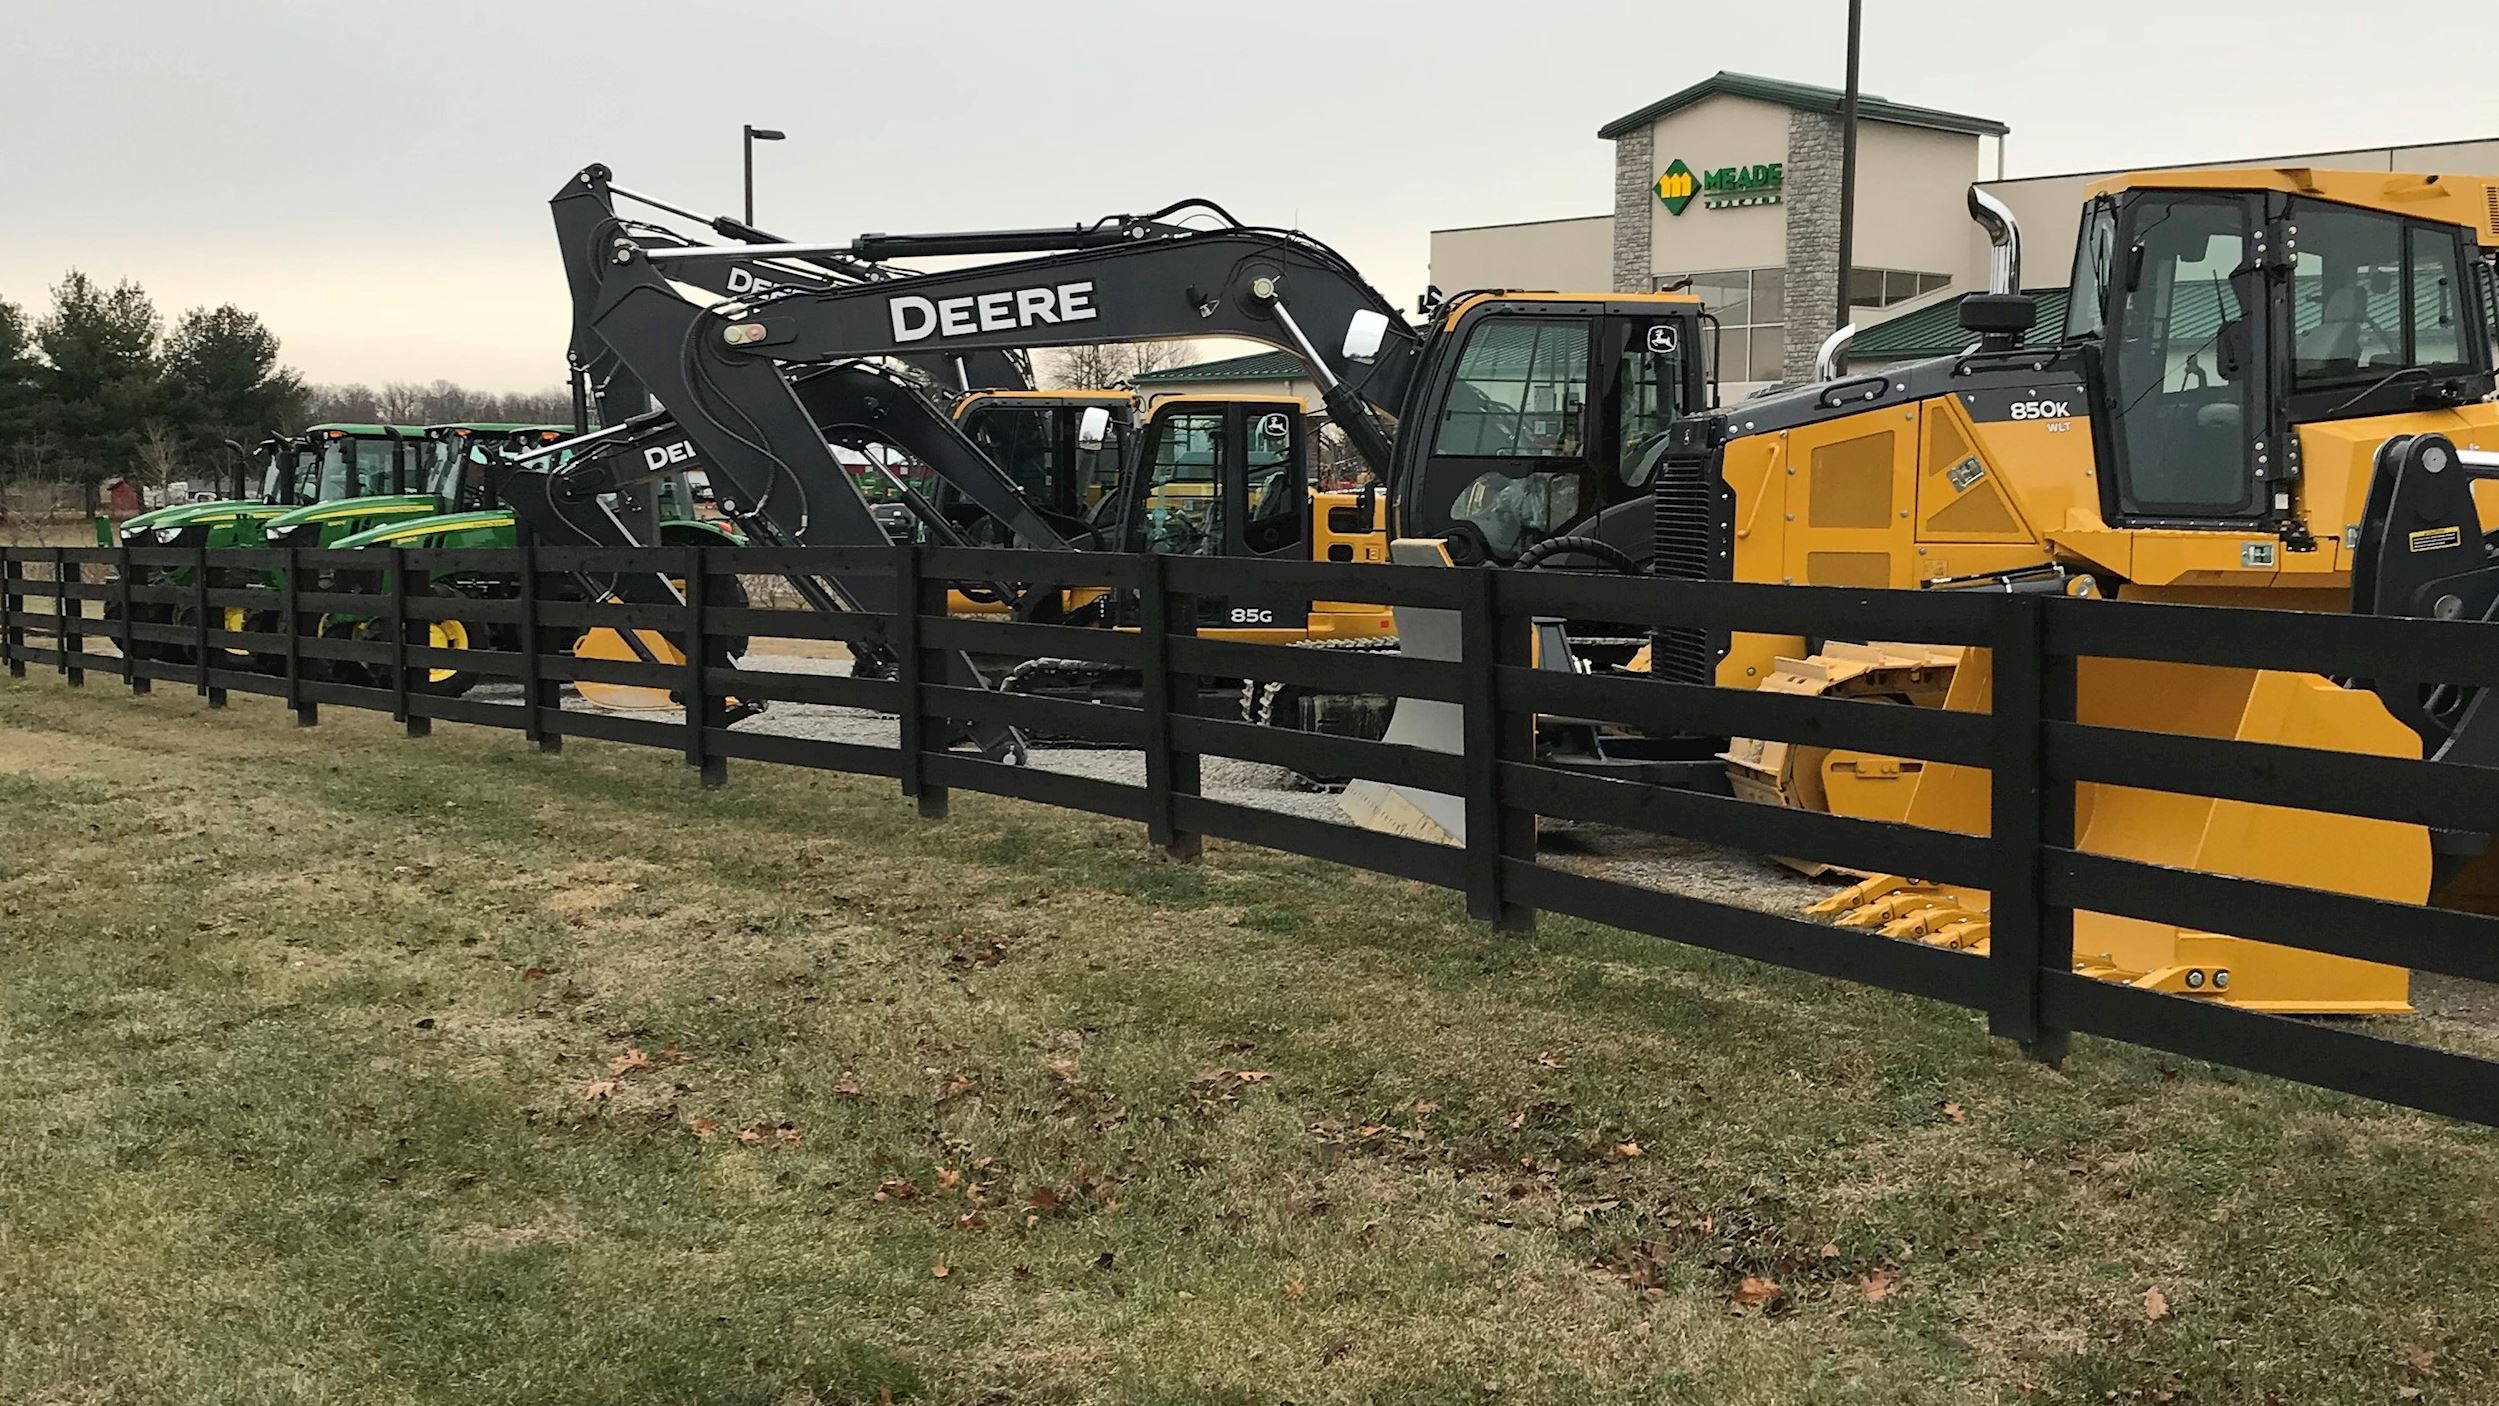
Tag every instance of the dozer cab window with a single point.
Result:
(1518, 394)
(2379, 309)
(1184, 488)
(2184, 360)
(2095, 259)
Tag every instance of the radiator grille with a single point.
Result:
(1691, 532)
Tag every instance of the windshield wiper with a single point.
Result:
(2381, 383)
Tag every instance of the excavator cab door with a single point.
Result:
(1226, 479)
(1550, 415)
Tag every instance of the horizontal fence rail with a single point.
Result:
(410, 632)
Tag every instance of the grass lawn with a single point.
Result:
(339, 1067)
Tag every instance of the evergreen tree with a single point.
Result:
(223, 380)
(100, 382)
(18, 373)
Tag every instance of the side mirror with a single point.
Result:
(1365, 335)
(1998, 314)
(1093, 427)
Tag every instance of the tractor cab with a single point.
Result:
(1544, 415)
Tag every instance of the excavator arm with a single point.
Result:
(1123, 279)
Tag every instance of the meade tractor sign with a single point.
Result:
(1725, 186)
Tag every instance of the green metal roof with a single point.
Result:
(495, 426)
(1936, 330)
(1807, 97)
(1257, 366)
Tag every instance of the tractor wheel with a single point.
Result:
(438, 634)
(353, 672)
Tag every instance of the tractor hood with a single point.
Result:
(142, 529)
(378, 505)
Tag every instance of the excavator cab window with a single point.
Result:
(1511, 432)
(1274, 493)
(1648, 394)
(1183, 508)
(2184, 362)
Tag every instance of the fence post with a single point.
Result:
(409, 722)
(65, 609)
(908, 664)
(12, 600)
(199, 596)
(1494, 833)
(128, 640)
(1169, 771)
(699, 712)
(536, 694)
(2027, 937)
(291, 616)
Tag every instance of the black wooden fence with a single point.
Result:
(167, 612)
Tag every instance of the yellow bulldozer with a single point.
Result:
(2255, 369)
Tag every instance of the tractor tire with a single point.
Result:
(439, 634)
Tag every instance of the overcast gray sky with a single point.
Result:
(372, 178)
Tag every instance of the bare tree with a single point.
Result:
(159, 460)
(1116, 364)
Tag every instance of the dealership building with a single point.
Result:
(1732, 188)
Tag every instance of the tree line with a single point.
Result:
(98, 388)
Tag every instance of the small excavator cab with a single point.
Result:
(1545, 416)
(1040, 439)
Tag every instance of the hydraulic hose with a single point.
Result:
(1602, 550)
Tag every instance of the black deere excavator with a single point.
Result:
(1524, 417)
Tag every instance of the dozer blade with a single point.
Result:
(2344, 854)
(1833, 780)
(1417, 814)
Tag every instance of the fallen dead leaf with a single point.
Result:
(1755, 1292)
(1627, 1149)
(534, 974)
(628, 1061)
(2420, 1359)
(1553, 1059)
(974, 1221)
(1063, 1070)
(948, 1178)
(2407, 1393)
(749, 1136)
(704, 1127)
(847, 1084)
(599, 1089)
(1830, 1250)
(1294, 1290)
(1954, 1112)
(672, 1054)
(2155, 1306)
(939, 1270)
(788, 1132)
(1045, 1198)
(1425, 1108)
(1876, 1286)
(894, 1189)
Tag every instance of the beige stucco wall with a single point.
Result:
(1912, 189)
(1722, 130)
(2050, 207)
(1563, 256)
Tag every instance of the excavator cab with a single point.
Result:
(1232, 477)
(1040, 440)
(1544, 416)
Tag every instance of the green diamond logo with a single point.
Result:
(1677, 186)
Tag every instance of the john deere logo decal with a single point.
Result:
(1677, 187)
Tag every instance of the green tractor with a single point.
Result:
(464, 513)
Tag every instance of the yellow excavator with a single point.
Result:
(2254, 364)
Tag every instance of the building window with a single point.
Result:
(1751, 308)
(1880, 288)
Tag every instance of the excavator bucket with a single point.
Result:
(2348, 854)
(1417, 722)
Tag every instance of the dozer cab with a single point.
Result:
(2271, 389)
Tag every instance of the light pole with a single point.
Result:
(1848, 162)
(753, 135)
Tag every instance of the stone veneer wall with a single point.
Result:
(1813, 235)
(1635, 205)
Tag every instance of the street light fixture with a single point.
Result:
(753, 135)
